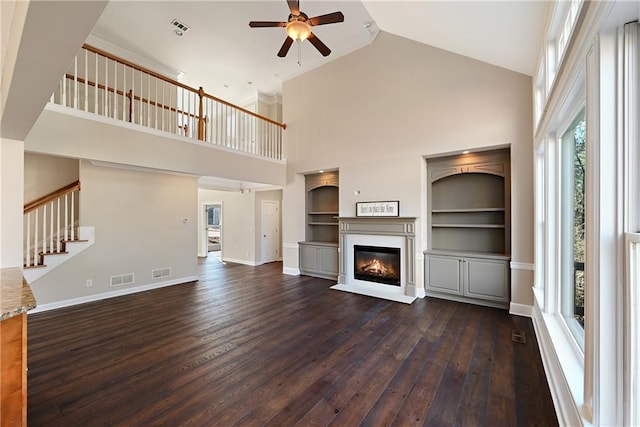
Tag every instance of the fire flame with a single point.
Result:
(375, 267)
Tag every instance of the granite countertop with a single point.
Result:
(15, 294)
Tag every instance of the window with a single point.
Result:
(213, 216)
(572, 227)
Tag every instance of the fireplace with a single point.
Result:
(383, 248)
(377, 264)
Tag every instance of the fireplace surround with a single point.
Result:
(381, 235)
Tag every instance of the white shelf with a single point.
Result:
(323, 213)
(467, 225)
(467, 210)
(323, 223)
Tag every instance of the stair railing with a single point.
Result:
(49, 222)
(104, 84)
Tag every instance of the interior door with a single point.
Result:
(270, 231)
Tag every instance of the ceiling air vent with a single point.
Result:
(179, 27)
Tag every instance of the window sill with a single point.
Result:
(563, 367)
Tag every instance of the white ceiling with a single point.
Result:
(232, 61)
(220, 49)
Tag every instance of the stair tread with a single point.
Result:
(54, 253)
(34, 266)
(74, 241)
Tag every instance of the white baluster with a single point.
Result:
(86, 80)
(115, 90)
(51, 227)
(64, 90)
(44, 228)
(75, 82)
(66, 217)
(35, 238)
(95, 86)
(124, 95)
(73, 217)
(28, 242)
(105, 96)
(148, 99)
(58, 236)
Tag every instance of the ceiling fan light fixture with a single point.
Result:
(298, 30)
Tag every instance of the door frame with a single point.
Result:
(278, 256)
(205, 230)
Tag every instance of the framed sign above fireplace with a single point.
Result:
(391, 208)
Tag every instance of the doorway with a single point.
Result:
(270, 228)
(213, 228)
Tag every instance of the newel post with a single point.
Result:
(201, 115)
(130, 96)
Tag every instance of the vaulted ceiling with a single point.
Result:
(230, 60)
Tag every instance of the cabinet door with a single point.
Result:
(308, 258)
(328, 260)
(444, 274)
(486, 279)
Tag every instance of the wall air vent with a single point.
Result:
(179, 26)
(160, 273)
(122, 279)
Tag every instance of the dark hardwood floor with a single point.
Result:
(249, 346)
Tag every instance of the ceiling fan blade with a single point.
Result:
(264, 24)
(330, 18)
(294, 7)
(285, 47)
(322, 48)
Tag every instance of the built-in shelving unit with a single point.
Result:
(469, 233)
(318, 254)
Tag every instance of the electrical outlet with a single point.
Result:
(89, 283)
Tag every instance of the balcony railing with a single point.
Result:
(103, 84)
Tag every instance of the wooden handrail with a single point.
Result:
(177, 83)
(128, 95)
(251, 113)
(51, 196)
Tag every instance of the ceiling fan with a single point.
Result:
(298, 27)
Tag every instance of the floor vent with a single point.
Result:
(160, 273)
(518, 336)
(121, 280)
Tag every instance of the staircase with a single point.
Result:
(51, 232)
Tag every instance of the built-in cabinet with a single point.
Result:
(469, 233)
(318, 253)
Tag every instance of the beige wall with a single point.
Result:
(139, 220)
(71, 135)
(376, 113)
(241, 223)
(11, 202)
(238, 224)
(44, 174)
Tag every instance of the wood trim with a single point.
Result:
(251, 113)
(13, 368)
(174, 82)
(130, 95)
(136, 67)
(51, 196)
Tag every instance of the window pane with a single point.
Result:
(573, 226)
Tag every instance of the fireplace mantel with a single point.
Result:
(400, 228)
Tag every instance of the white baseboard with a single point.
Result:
(240, 261)
(290, 271)
(520, 309)
(112, 294)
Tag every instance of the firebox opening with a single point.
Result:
(377, 264)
